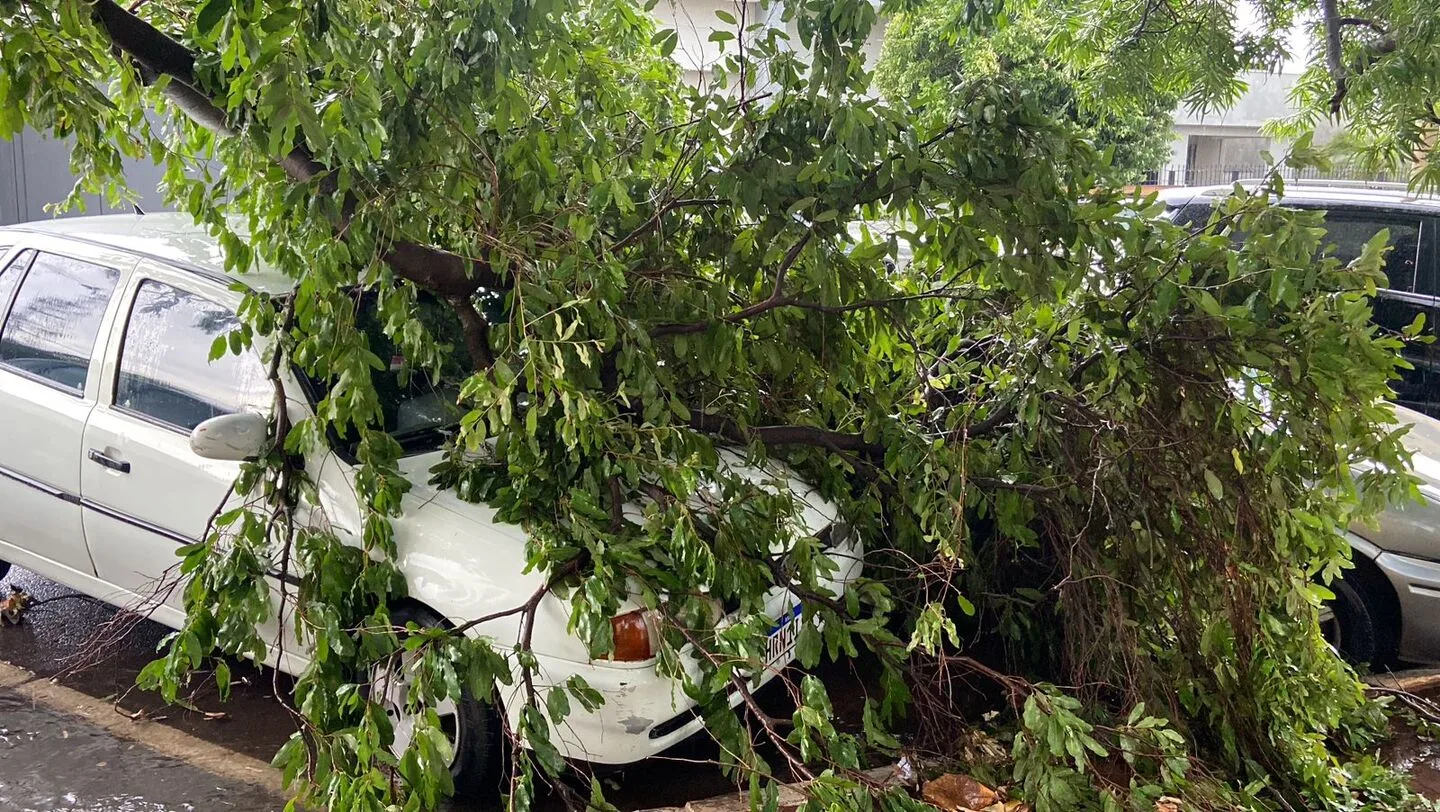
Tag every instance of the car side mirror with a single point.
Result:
(240, 436)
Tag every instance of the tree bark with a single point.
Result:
(156, 54)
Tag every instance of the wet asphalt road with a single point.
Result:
(95, 649)
(51, 761)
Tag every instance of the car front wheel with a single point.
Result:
(470, 724)
(1357, 623)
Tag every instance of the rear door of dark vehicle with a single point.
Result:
(1410, 292)
(1411, 269)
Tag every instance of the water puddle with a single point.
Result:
(1419, 758)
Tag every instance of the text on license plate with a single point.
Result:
(780, 647)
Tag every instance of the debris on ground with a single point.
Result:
(1169, 804)
(961, 793)
(13, 606)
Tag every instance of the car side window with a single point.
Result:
(55, 318)
(10, 279)
(165, 370)
(1348, 231)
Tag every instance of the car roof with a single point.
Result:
(169, 237)
(1387, 196)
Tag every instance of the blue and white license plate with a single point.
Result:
(780, 647)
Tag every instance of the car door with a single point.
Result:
(145, 492)
(55, 300)
(1427, 284)
(1409, 292)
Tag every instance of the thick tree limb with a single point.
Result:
(784, 435)
(157, 55)
(475, 329)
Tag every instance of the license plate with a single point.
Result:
(780, 647)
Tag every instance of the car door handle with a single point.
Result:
(109, 462)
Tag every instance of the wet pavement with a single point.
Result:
(98, 650)
(53, 761)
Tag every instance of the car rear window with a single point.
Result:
(1349, 231)
(50, 331)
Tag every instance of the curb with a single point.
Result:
(791, 796)
(154, 736)
(1413, 680)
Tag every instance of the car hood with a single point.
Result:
(1414, 528)
(815, 511)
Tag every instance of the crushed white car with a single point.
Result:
(120, 438)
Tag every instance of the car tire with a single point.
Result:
(1359, 623)
(476, 770)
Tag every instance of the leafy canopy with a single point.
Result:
(931, 58)
(1127, 448)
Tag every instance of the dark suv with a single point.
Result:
(1355, 212)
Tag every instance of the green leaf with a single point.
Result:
(210, 14)
(1213, 483)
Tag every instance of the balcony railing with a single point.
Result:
(1215, 175)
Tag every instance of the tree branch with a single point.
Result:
(157, 55)
(650, 225)
(776, 298)
(1334, 60)
(784, 435)
(1365, 23)
(475, 329)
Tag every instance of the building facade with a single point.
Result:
(35, 174)
(1223, 146)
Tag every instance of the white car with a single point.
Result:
(112, 457)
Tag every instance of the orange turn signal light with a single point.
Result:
(634, 637)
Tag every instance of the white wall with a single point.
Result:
(694, 20)
(35, 172)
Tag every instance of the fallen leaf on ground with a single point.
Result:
(1168, 804)
(955, 793)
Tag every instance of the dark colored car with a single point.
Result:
(1354, 213)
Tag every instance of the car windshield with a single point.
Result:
(418, 409)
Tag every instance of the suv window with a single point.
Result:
(1349, 230)
(165, 372)
(55, 318)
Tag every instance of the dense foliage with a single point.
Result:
(1126, 447)
(931, 57)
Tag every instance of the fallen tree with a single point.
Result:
(1126, 446)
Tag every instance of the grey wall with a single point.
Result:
(35, 170)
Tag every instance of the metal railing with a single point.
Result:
(1215, 175)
